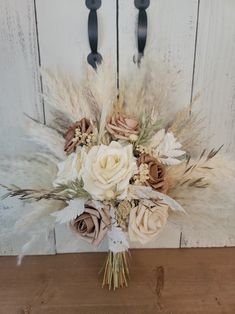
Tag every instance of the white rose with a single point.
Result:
(146, 220)
(107, 170)
(69, 169)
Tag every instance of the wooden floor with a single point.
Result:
(162, 281)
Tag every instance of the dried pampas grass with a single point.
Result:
(96, 97)
(155, 85)
(187, 127)
(63, 93)
(103, 88)
(49, 140)
(210, 220)
(152, 84)
(92, 98)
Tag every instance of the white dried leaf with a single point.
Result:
(75, 208)
(166, 148)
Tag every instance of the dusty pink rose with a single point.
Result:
(121, 127)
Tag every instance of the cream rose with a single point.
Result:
(146, 220)
(69, 169)
(107, 170)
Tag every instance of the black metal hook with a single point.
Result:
(142, 5)
(94, 57)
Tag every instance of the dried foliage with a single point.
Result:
(62, 192)
(192, 173)
(122, 214)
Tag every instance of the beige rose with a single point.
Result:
(93, 224)
(146, 220)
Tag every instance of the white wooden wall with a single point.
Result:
(194, 37)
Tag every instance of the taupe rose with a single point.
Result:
(79, 133)
(93, 224)
(146, 220)
(156, 173)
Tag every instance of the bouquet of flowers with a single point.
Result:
(121, 161)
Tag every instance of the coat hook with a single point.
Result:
(142, 5)
(94, 56)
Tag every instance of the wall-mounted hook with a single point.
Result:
(142, 25)
(94, 57)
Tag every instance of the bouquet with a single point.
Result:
(118, 164)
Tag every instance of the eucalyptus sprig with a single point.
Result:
(73, 189)
(147, 129)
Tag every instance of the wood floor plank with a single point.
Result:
(162, 281)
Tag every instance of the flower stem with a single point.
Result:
(116, 270)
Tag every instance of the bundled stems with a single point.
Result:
(116, 270)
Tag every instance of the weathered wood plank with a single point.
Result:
(19, 79)
(215, 80)
(170, 39)
(19, 93)
(63, 35)
(162, 281)
(215, 72)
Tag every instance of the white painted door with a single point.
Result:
(196, 38)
